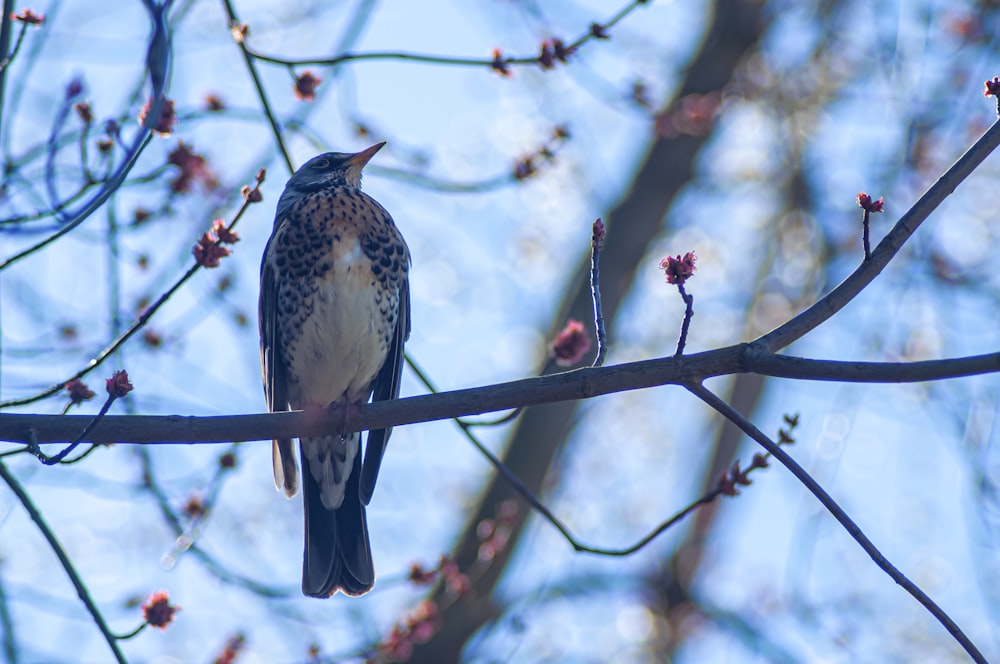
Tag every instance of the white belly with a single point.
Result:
(343, 342)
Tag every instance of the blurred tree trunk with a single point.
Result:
(635, 221)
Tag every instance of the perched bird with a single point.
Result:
(334, 314)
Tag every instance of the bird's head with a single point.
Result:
(331, 169)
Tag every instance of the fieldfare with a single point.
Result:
(334, 314)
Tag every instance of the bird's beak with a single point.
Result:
(359, 159)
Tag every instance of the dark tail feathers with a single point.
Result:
(337, 553)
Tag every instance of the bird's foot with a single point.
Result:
(344, 413)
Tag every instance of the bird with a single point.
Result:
(334, 313)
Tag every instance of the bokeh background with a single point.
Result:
(741, 130)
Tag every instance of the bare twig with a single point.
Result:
(530, 498)
(52, 460)
(9, 638)
(248, 58)
(596, 245)
(838, 513)
(686, 323)
(595, 32)
(6, 53)
(67, 565)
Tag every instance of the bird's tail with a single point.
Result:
(337, 553)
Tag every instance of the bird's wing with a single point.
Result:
(386, 387)
(273, 370)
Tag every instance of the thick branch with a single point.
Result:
(569, 386)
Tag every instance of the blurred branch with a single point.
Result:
(838, 298)
(573, 385)
(554, 50)
(249, 197)
(734, 28)
(159, 46)
(67, 565)
(6, 54)
(216, 568)
(235, 26)
(9, 647)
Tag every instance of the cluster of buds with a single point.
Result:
(730, 481)
(554, 50)
(28, 17)
(84, 112)
(118, 385)
(418, 627)
(157, 610)
(528, 166)
(494, 534)
(78, 391)
(866, 203)
(992, 88)
(598, 31)
(252, 194)
(233, 647)
(447, 568)
(501, 64)
(192, 169)
(678, 269)
(210, 249)
(305, 86)
(164, 124)
(571, 344)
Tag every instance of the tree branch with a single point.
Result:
(838, 513)
(890, 245)
(67, 565)
(581, 383)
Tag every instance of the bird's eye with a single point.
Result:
(321, 164)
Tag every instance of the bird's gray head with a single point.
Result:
(332, 169)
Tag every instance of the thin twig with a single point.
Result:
(248, 58)
(134, 633)
(522, 490)
(53, 460)
(6, 53)
(596, 31)
(425, 378)
(596, 245)
(838, 513)
(92, 205)
(686, 323)
(199, 521)
(536, 504)
(866, 233)
(73, 92)
(67, 565)
(9, 647)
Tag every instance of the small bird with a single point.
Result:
(334, 314)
